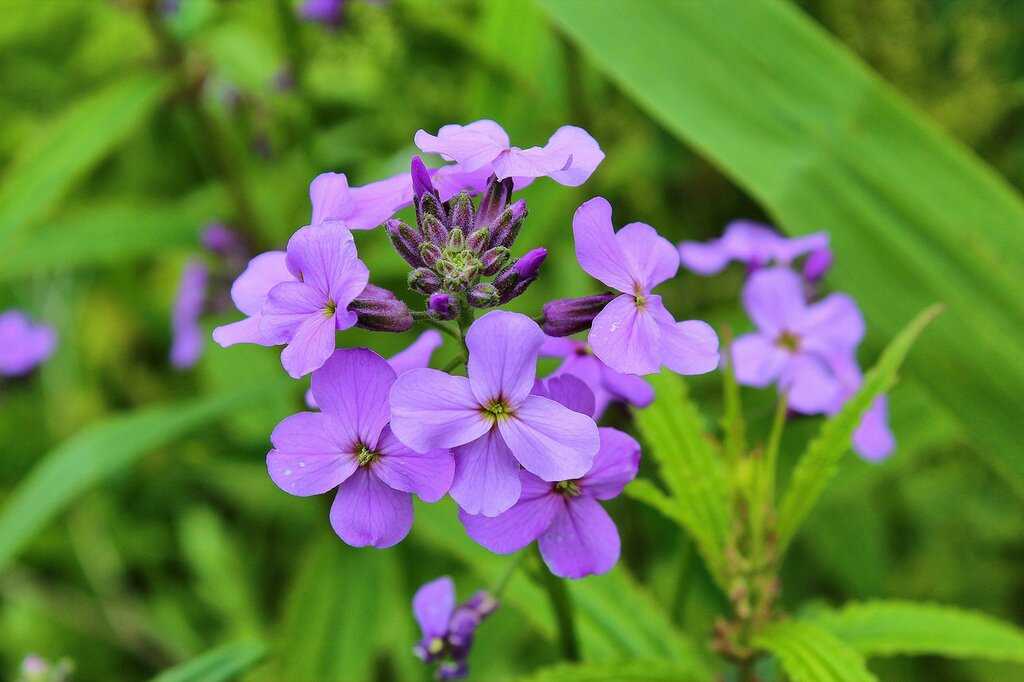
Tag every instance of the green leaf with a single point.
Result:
(819, 462)
(886, 628)
(822, 143)
(99, 452)
(810, 654)
(631, 671)
(66, 149)
(690, 466)
(642, 490)
(218, 665)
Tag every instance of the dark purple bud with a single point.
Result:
(421, 183)
(570, 315)
(442, 306)
(524, 271)
(477, 241)
(456, 239)
(462, 212)
(430, 254)
(493, 201)
(424, 281)
(529, 265)
(433, 230)
(405, 240)
(817, 264)
(483, 295)
(494, 260)
(506, 228)
(380, 310)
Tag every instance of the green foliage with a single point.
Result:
(219, 665)
(810, 654)
(633, 671)
(818, 464)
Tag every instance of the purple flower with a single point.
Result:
(448, 629)
(187, 337)
(873, 440)
(794, 340)
(491, 419)
(359, 208)
(249, 292)
(605, 383)
(576, 536)
(326, 12)
(220, 239)
(569, 158)
(349, 445)
(23, 345)
(634, 333)
(752, 244)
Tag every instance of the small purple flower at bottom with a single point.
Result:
(575, 535)
(755, 245)
(448, 629)
(635, 334)
(349, 445)
(607, 385)
(186, 335)
(491, 418)
(23, 345)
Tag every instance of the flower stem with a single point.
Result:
(771, 454)
(423, 318)
(510, 570)
(465, 320)
(561, 604)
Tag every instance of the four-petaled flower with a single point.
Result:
(349, 445)
(491, 419)
(634, 333)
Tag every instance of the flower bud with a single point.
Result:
(493, 201)
(442, 306)
(421, 183)
(817, 264)
(570, 315)
(477, 241)
(424, 281)
(506, 228)
(462, 212)
(494, 260)
(405, 241)
(522, 274)
(483, 295)
(456, 239)
(433, 229)
(380, 310)
(430, 254)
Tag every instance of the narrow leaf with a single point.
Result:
(218, 665)
(632, 671)
(810, 654)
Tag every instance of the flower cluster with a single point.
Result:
(807, 347)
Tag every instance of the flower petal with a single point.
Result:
(429, 474)
(582, 540)
(310, 347)
(503, 349)
(615, 465)
(367, 512)
(431, 409)
(535, 162)
(873, 439)
(650, 257)
(251, 288)
(452, 179)
(550, 440)
(774, 299)
(627, 387)
(288, 305)
(626, 338)
(810, 386)
(243, 331)
(584, 152)
(433, 604)
(572, 392)
(689, 347)
(306, 459)
(353, 386)
(708, 258)
(597, 250)
(832, 325)
(329, 196)
(519, 526)
(473, 145)
(486, 476)
(417, 354)
(324, 257)
(374, 203)
(756, 360)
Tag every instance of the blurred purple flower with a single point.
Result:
(491, 419)
(349, 445)
(327, 12)
(448, 629)
(607, 385)
(873, 440)
(754, 245)
(23, 345)
(218, 238)
(576, 536)
(186, 335)
(635, 334)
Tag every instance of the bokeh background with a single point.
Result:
(137, 525)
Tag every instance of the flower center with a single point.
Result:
(788, 341)
(498, 409)
(365, 456)
(436, 646)
(330, 308)
(568, 488)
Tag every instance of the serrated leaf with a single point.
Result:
(810, 654)
(632, 671)
(887, 628)
(218, 665)
(818, 464)
(691, 468)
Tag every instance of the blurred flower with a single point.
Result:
(218, 238)
(607, 385)
(635, 334)
(491, 419)
(873, 440)
(23, 345)
(350, 446)
(187, 337)
(35, 668)
(448, 629)
(755, 245)
(327, 12)
(576, 536)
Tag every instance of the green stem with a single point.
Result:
(732, 420)
(506, 577)
(561, 604)
(761, 496)
(465, 320)
(422, 318)
(771, 455)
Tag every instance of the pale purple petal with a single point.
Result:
(249, 291)
(503, 349)
(306, 459)
(582, 540)
(752, 243)
(473, 145)
(374, 203)
(788, 250)
(615, 465)
(572, 392)
(774, 299)
(353, 386)
(429, 474)
(651, 258)
(756, 360)
(597, 250)
(810, 386)
(317, 254)
(329, 196)
(431, 410)
(433, 604)
(452, 179)
(550, 440)
(689, 347)
(310, 346)
(585, 155)
(873, 440)
(560, 346)
(187, 337)
(486, 476)
(517, 527)
(832, 324)
(418, 353)
(535, 162)
(704, 258)
(627, 387)
(367, 512)
(288, 305)
(243, 331)
(626, 338)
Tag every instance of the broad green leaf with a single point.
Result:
(66, 149)
(886, 628)
(218, 665)
(632, 671)
(822, 143)
(99, 452)
(691, 468)
(818, 464)
(810, 654)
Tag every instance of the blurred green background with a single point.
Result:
(138, 528)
